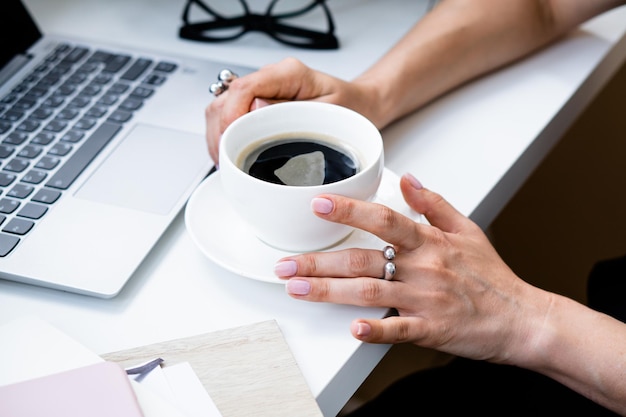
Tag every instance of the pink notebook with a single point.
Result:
(100, 390)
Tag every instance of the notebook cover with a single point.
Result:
(99, 390)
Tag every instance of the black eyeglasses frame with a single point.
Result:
(267, 23)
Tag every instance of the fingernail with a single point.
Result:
(286, 268)
(413, 181)
(258, 103)
(322, 205)
(298, 287)
(363, 329)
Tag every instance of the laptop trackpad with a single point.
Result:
(150, 170)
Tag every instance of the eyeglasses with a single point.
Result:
(222, 27)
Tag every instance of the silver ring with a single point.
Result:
(389, 253)
(389, 271)
(390, 268)
(224, 78)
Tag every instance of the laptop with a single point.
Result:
(100, 147)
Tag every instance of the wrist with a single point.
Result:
(532, 328)
(552, 334)
(371, 99)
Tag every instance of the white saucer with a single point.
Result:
(224, 238)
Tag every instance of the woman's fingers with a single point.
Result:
(390, 330)
(439, 212)
(378, 219)
(286, 80)
(348, 263)
(365, 292)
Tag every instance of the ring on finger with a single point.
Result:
(389, 270)
(224, 78)
(389, 253)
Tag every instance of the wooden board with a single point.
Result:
(247, 370)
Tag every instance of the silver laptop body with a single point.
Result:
(100, 155)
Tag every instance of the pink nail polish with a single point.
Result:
(363, 329)
(286, 268)
(414, 181)
(298, 287)
(322, 205)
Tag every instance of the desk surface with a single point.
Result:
(476, 146)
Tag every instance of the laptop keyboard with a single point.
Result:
(57, 120)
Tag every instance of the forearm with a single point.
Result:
(458, 41)
(581, 348)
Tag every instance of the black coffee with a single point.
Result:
(300, 161)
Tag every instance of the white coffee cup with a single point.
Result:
(281, 215)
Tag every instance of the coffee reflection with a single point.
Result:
(299, 160)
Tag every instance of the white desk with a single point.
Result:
(476, 146)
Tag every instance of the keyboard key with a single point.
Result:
(8, 206)
(91, 90)
(38, 91)
(155, 79)
(53, 101)
(30, 152)
(116, 63)
(12, 115)
(9, 99)
(16, 165)
(28, 125)
(56, 125)
(33, 211)
(96, 111)
(142, 92)
(131, 104)
(49, 80)
(32, 177)
(66, 90)
(102, 79)
(120, 116)
(75, 55)
(68, 113)
(7, 243)
(6, 178)
(43, 138)
(42, 113)
(48, 162)
(66, 175)
(21, 191)
(18, 226)
(165, 66)
(6, 151)
(99, 56)
(25, 104)
(5, 126)
(15, 138)
(73, 136)
(136, 70)
(108, 99)
(80, 101)
(78, 77)
(86, 68)
(85, 123)
(60, 149)
(46, 195)
(118, 88)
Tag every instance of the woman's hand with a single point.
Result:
(289, 79)
(452, 291)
